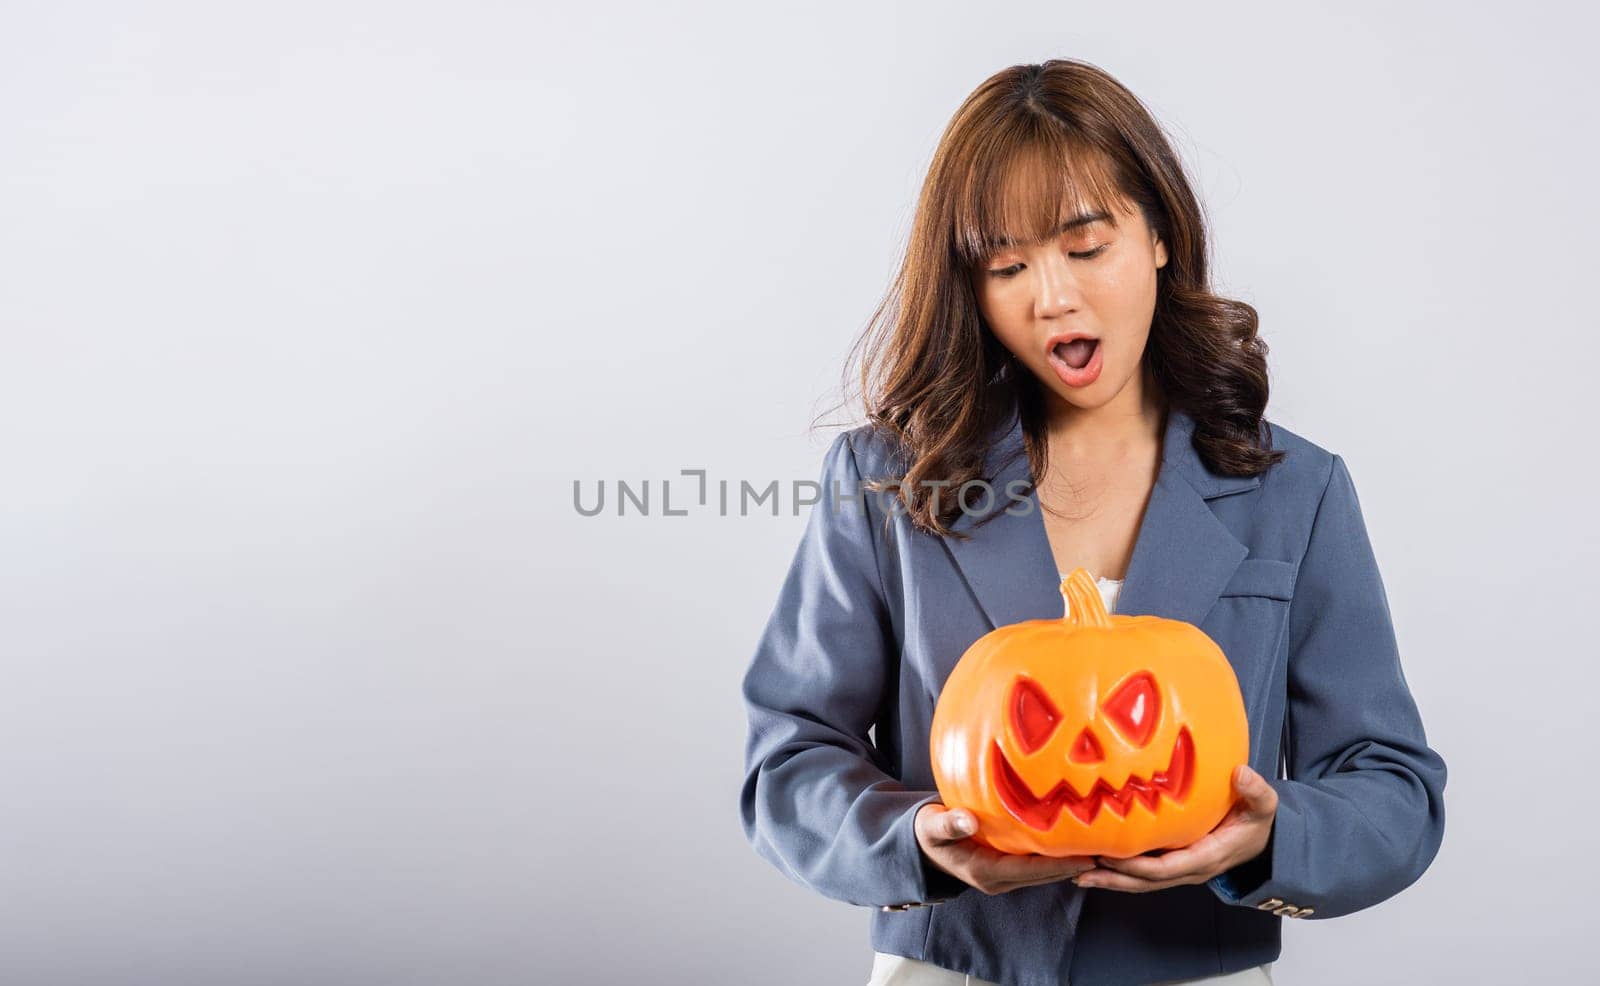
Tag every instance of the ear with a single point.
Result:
(1160, 250)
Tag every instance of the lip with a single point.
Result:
(1068, 375)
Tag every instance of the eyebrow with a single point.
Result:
(1082, 219)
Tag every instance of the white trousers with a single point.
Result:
(897, 970)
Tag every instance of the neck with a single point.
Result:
(1132, 419)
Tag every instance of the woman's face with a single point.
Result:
(1097, 281)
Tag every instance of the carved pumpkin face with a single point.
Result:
(1094, 734)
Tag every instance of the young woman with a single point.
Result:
(1051, 385)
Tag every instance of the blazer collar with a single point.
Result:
(1182, 559)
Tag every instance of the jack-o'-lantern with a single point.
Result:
(1093, 734)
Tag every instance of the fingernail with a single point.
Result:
(963, 825)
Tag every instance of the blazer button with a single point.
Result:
(1269, 904)
(1305, 911)
(1287, 910)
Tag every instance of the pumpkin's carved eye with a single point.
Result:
(1033, 716)
(1134, 707)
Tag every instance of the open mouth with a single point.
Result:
(1075, 354)
(1041, 812)
(1077, 361)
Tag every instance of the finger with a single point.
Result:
(1032, 880)
(1042, 874)
(1112, 880)
(1008, 887)
(1015, 867)
(951, 825)
(1253, 789)
(1027, 870)
(1201, 857)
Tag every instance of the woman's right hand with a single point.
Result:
(950, 847)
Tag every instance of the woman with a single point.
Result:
(1050, 385)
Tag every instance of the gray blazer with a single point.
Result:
(1276, 568)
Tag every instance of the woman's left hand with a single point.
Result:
(1240, 837)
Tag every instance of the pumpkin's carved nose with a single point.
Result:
(1086, 749)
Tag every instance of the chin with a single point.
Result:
(1097, 394)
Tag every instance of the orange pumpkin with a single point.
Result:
(1095, 734)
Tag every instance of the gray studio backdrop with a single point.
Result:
(312, 313)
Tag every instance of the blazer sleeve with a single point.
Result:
(1361, 812)
(816, 800)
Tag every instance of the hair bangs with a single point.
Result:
(1025, 188)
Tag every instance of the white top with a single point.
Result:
(1110, 589)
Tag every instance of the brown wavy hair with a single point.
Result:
(935, 379)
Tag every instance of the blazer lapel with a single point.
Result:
(1182, 559)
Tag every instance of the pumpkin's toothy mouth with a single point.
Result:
(1040, 813)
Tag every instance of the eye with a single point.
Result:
(1134, 707)
(1005, 273)
(1033, 716)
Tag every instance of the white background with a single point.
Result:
(313, 313)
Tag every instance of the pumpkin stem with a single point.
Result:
(1085, 606)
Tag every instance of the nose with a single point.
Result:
(1086, 749)
(1058, 288)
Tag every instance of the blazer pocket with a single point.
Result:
(1262, 577)
(1248, 623)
